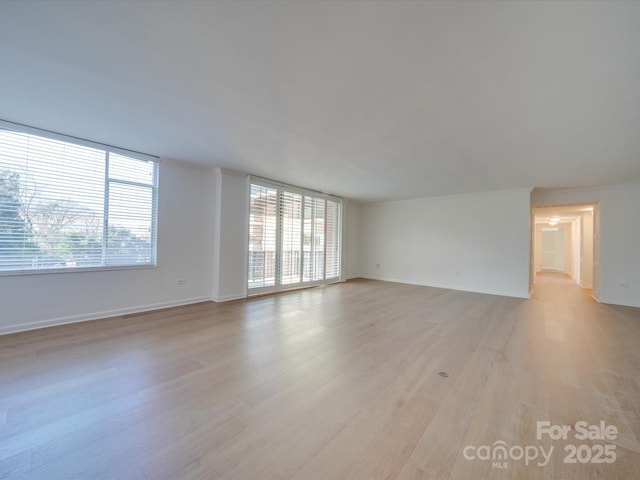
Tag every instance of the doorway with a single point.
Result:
(552, 249)
(565, 241)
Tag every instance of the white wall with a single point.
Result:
(566, 248)
(576, 250)
(586, 253)
(231, 223)
(619, 258)
(478, 242)
(185, 237)
(351, 240)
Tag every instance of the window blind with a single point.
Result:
(262, 236)
(66, 205)
(294, 237)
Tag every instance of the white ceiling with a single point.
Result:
(369, 100)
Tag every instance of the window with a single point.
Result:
(71, 204)
(294, 237)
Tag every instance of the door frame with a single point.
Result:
(595, 291)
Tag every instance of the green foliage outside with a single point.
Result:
(58, 233)
(16, 235)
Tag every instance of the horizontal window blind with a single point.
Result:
(65, 205)
(294, 237)
(262, 236)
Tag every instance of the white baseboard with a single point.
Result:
(228, 298)
(23, 327)
(448, 287)
(622, 303)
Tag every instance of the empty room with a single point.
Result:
(319, 240)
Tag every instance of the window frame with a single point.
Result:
(108, 181)
(303, 192)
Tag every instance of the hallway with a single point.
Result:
(551, 286)
(582, 358)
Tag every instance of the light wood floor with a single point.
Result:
(326, 383)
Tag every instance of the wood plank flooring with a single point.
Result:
(336, 382)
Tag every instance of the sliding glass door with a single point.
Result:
(294, 237)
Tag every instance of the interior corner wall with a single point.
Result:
(231, 236)
(619, 264)
(566, 248)
(586, 250)
(185, 239)
(478, 242)
(537, 249)
(351, 240)
(576, 250)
